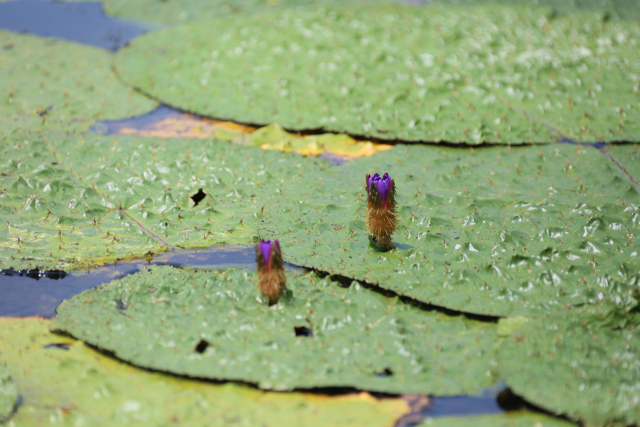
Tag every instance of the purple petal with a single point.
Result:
(373, 178)
(383, 184)
(265, 248)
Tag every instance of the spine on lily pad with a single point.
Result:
(381, 208)
(271, 279)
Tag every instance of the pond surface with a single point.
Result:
(36, 293)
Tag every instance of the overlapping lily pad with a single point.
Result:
(8, 394)
(478, 74)
(215, 325)
(62, 80)
(73, 200)
(392, 73)
(64, 382)
(175, 12)
(586, 367)
(518, 419)
(495, 231)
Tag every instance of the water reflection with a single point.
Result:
(82, 22)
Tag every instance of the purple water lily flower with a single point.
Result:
(266, 248)
(383, 185)
(271, 277)
(381, 209)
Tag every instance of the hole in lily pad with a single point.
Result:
(303, 331)
(121, 305)
(59, 346)
(202, 346)
(386, 372)
(198, 197)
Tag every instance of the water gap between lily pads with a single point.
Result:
(81, 22)
(27, 293)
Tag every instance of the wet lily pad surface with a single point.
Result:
(355, 71)
(65, 382)
(176, 12)
(414, 74)
(495, 231)
(185, 10)
(54, 79)
(215, 325)
(72, 201)
(583, 366)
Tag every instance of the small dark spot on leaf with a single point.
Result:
(447, 262)
(202, 346)
(121, 305)
(303, 331)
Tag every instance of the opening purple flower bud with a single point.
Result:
(265, 248)
(383, 185)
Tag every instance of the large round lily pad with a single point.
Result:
(71, 201)
(56, 79)
(8, 394)
(586, 367)
(475, 74)
(390, 72)
(215, 325)
(66, 383)
(495, 231)
(164, 12)
(172, 12)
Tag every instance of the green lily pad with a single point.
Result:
(175, 12)
(58, 79)
(77, 200)
(71, 384)
(472, 75)
(586, 367)
(388, 72)
(216, 325)
(517, 419)
(8, 394)
(497, 231)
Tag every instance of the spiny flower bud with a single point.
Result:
(271, 279)
(381, 209)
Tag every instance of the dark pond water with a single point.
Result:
(82, 22)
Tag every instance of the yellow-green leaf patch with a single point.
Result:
(64, 382)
